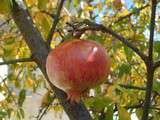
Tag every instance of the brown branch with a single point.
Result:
(149, 64)
(127, 86)
(132, 87)
(17, 61)
(130, 14)
(156, 64)
(100, 27)
(56, 20)
(44, 110)
(40, 50)
(5, 22)
(141, 105)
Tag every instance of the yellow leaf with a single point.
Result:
(53, 44)
(123, 12)
(42, 4)
(31, 2)
(5, 6)
(89, 8)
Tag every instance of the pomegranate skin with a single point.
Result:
(77, 65)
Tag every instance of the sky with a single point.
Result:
(127, 3)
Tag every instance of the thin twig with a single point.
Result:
(43, 111)
(130, 14)
(127, 86)
(56, 20)
(16, 61)
(140, 106)
(156, 64)
(5, 22)
(132, 87)
(150, 65)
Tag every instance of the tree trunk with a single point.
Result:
(39, 50)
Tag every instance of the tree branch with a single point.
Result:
(56, 20)
(5, 22)
(100, 27)
(40, 50)
(130, 14)
(44, 110)
(156, 64)
(140, 105)
(127, 86)
(150, 65)
(16, 61)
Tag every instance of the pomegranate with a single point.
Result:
(77, 65)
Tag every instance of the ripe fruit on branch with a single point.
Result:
(77, 65)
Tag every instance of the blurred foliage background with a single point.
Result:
(121, 96)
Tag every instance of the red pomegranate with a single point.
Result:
(77, 65)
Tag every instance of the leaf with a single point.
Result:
(123, 114)
(21, 111)
(31, 2)
(109, 113)
(139, 113)
(124, 69)
(46, 99)
(156, 86)
(68, 4)
(2, 114)
(76, 3)
(157, 47)
(21, 98)
(97, 38)
(135, 11)
(5, 6)
(129, 53)
(42, 4)
(43, 23)
(98, 102)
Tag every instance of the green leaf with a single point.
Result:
(139, 113)
(124, 69)
(68, 3)
(129, 53)
(123, 114)
(97, 38)
(135, 11)
(157, 47)
(76, 3)
(98, 102)
(2, 114)
(22, 96)
(109, 113)
(156, 86)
